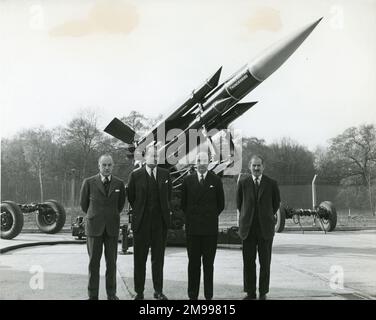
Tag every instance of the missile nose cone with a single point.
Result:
(277, 54)
(214, 79)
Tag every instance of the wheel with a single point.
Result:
(51, 218)
(328, 214)
(12, 220)
(280, 219)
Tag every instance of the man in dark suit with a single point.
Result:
(102, 198)
(149, 194)
(202, 200)
(257, 201)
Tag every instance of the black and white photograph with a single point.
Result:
(213, 150)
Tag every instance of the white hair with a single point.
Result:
(106, 155)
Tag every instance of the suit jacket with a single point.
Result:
(103, 212)
(268, 203)
(137, 194)
(202, 204)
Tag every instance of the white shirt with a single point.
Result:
(199, 175)
(103, 178)
(148, 169)
(258, 179)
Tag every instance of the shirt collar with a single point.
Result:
(199, 175)
(148, 169)
(259, 178)
(103, 177)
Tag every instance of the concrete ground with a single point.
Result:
(339, 265)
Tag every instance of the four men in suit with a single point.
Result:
(202, 200)
(149, 194)
(257, 200)
(102, 198)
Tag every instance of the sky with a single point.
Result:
(112, 56)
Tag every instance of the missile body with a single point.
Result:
(250, 76)
(175, 119)
(214, 106)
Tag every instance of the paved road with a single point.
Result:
(338, 265)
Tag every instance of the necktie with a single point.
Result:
(256, 185)
(153, 176)
(106, 185)
(202, 179)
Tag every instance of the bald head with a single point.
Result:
(202, 162)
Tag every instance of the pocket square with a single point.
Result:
(166, 181)
(117, 190)
(211, 186)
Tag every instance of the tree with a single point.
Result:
(351, 157)
(16, 177)
(136, 121)
(286, 160)
(291, 162)
(355, 152)
(81, 138)
(38, 149)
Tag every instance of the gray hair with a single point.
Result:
(105, 155)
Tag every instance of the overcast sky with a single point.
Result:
(58, 57)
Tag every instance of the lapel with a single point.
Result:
(252, 187)
(195, 185)
(100, 184)
(261, 187)
(159, 181)
(203, 189)
(112, 185)
(159, 178)
(144, 178)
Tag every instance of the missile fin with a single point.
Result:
(214, 79)
(120, 130)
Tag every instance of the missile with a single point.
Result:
(229, 116)
(253, 74)
(175, 119)
(216, 106)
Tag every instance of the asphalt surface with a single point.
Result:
(340, 265)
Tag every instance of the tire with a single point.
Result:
(12, 220)
(329, 223)
(53, 220)
(280, 219)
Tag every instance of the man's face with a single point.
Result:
(151, 158)
(106, 165)
(202, 163)
(256, 167)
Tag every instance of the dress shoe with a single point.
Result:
(160, 296)
(263, 297)
(114, 297)
(139, 297)
(93, 298)
(250, 297)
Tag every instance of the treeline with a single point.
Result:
(39, 163)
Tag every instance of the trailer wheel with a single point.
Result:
(51, 218)
(12, 220)
(280, 219)
(328, 215)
